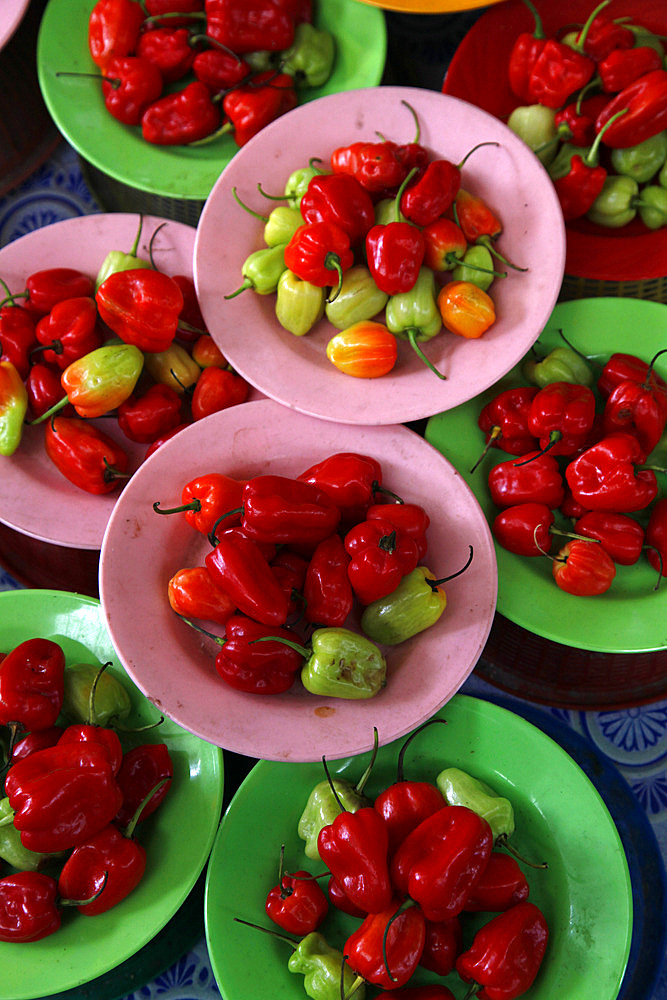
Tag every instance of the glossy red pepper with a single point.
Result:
(380, 556)
(44, 390)
(193, 594)
(39, 739)
(581, 185)
(319, 252)
(605, 34)
(250, 25)
(167, 49)
(640, 408)
(257, 667)
(506, 954)
(129, 86)
(524, 529)
(444, 245)
(623, 66)
(143, 768)
(17, 337)
(296, 903)
(646, 102)
(252, 106)
(217, 389)
(145, 417)
(504, 420)
(238, 566)
(53, 284)
(386, 947)
(583, 569)
(432, 194)
(28, 906)
(113, 29)
(156, 7)
(69, 331)
(560, 70)
(32, 684)
(282, 510)
(86, 456)
(354, 849)
(503, 884)
(182, 117)
(337, 897)
(628, 367)
(561, 416)
(327, 589)
(141, 306)
(442, 946)
(408, 518)
(475, 217)
(219, 69)
(575, 123)
(538, 481)
(109, 865)
(526, 48)
(341, 199)
(206, 498)
(351, 480)
(619, 534)
(61, 796)
(84, 732)
(378, 166)
(395, 253)
(605, 477)
(656, 536)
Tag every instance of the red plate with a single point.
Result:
(478, 73)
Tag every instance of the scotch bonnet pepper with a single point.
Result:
(32, 684)
(141, 306)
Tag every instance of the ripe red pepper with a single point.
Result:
(408, 518)
(640, 408)
(28, 906)
(476, 219)
(583, 569)
(524, 53)
(350, 479)
(206, 498)
(319, 252)
(217, 389)
(86, 456)
(257, 667)
(69, 331)
(251, 106)
(142, 769)
(193, 594)
(442, 945)
(47, 287)
(581, 185)
(296, 903)
(32, 684)
(108, 866)
(169, 50)
(378, 166)
(39, 739)
(17, 337)
(84, 732)
(337, 898)
(341, 199)
(623, 367)
(147, 417)
(538, 481)
(444, 245)
(113, 29)
(646, 102)
(282, 510)
(182, 117)
(575, 123)
(524, 529)
(604, 476)
(156, 7)
(606, 34)
(561, 416)
(386, 947)
(395, 253)
(250, 25)
(623, 66)
(141, 306)
(656, 536)
(619, 535)
(130, 84)
(219, 69)
(432, 194)
(327, 589)
(560, 70)
(354, 849)
(238, 566)
(439, 863)
(404, 804)
(503, 884)
(504, 420)
(61, 796)
(506, 954)
(380, 556)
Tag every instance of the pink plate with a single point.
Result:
(35, 499)
(174, 665)
(13, 12)
(295, 370)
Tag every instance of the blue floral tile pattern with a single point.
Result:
(189, 979)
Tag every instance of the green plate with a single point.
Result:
(77, 106)
(630, 617)
(177, 837)
(560, 817)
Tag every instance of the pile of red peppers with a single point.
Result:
(130, 344)
(189, 72)
(595, 111)
(73, 793)
(582, 470)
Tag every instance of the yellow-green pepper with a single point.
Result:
(13, 407)
(299, 304)
(310, 57)
(560, 365)
(414, 316)
(359, 299)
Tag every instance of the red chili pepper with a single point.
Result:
(109, 866)
(354, 849)
(524, 529)
(141, 306)
(169, 50)
(475, 217)
(351, 480)
(646, 102)
(45, 288)
(257, 667)
(538, 481)
(524, 53)
(408, 518)
(439, 863)
(442, 946)
(656, 536)
(341, 199)
(186, 116)
(129, 85)
(583, 569)
(156, 7)
(575, 123)
(623, 367)
(404, 804)
(380, 556)
(296, 903)
(69, 331)
(395, 252)
(28, 907)
(252, 106)
(32, 684)
(206, 498)
(386, 947)
(161, 440)
(432, 194)
(378, 166)
(113, 29)
(319, 252)
(581, 185)
(619, 535)
(17, 337)
(605, 34)
(142, 769)
(86, 456)
(338, 898)
(327, 588)
(281, 510)
(559, 71)
(217, 389)
(250, 25)
(503, 884)
(39, 739)
(623, 66)
(444, 245)
(44, 390)
(504, 420)
(61, 796)
(108, 739)
(604, 476)
(561, 415)
(506, 954)
(238, 567)
(147, 417)
(219, 69)
(640, 408)
(193, 594)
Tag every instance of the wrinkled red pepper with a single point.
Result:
(185, 116)
(69, 331)
(640, 408)
(296, 903)
(84, 732)
(17, 337)
(350, 479)
(341, 199)
(442, 946)
(257, 667)
(506, 954)
(319, 252)
(206, 498)
(408, 518)
(327, 589)
(538, 481)
(250, 25)
(583, 569)
(141, 306)
(504, 420)
(623, 66)
(646, 104)
(193, 594)
(32, 684)
(524, 528)
(238, 566)
(28, 906)
(606, 34)
(561, 69)
(143, 768)
(561, 416)
(282, 510)
(386, 947)
(623, 367)
(502, 885)
(619, 534)
(47, 287)
(395, 251)
(147, 417)
(113, 29)
(605, 477)
(252, 106)
(524, 53)
(378, 166)
(109, 866)
(169, 50)
(219, 69)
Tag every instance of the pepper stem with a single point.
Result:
(401, 756)
(360, 785)
(198, 628)
(496, 432)
(84, 902)
(436, 583)
(129, 829)
(49, 413)
(246, 208)
(486, 241)
(583, 34)
(416, 120)
(538, 31)
(267, 930)
(471, 151)
(412, 334)
(503, 841)
(212, 537)
(194, 505)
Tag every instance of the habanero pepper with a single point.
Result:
(380, 556)
(101, 380)
(340, 199)
(94, 695)
(102, 871)
(336, 896)
(147, 417)
(86, 456)
(143, 768)
(354, 849)
(605, 477)
(575, 122)
(113, 29)
(193, 594)
(442, 947)
(466, 309)
(377, 166)
(13, 407)
(256, 658)
(623, 66)
(359, 299)
(46, 287)
(180, 118)
(504, 421)
(365, 349)
(502, 885)
(623, 367)
(561, 416)
(432, 193)
(69, 331)
(217, 389)
(408, 518)
(250, 25)
(562, 364)
(444, 245)
(141, 306)
(28, 906)
(299, 304)
(605, 34)
(129, 86)
(218, 69)
(395, 251)
(206, 498)
(386, 947)
(538, 481)
(525, 529)
(296, 903)
(414, 315)
(252, 106)
(619, 534)
(526, 48)
(32, 684)
(282, 510)
(85, 732)
(583, 568)
(238, 566)
(38, 739)
(640, 408)
(169, 50)
(584, 178)
(17, 337)
(327, 589)
(561, 68)
(324, 969)
(350, 479)
(646, 103)
(319, 253)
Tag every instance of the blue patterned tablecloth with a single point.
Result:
(634, 740)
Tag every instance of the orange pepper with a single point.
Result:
(365, 350)
(466, 309)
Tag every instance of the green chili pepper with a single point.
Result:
(536, 125)
(13, 407)
(310, 57)
(414, 316)
(323, 967)
(299, 304)
(560, 365)
(11, 848)
(261, 270)
(461, 789)
(615, 205)
(94, 696)
(652, 206)
(359, 298)
(281, 225)
(116, 260)
(477, 267)
(643, 161)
